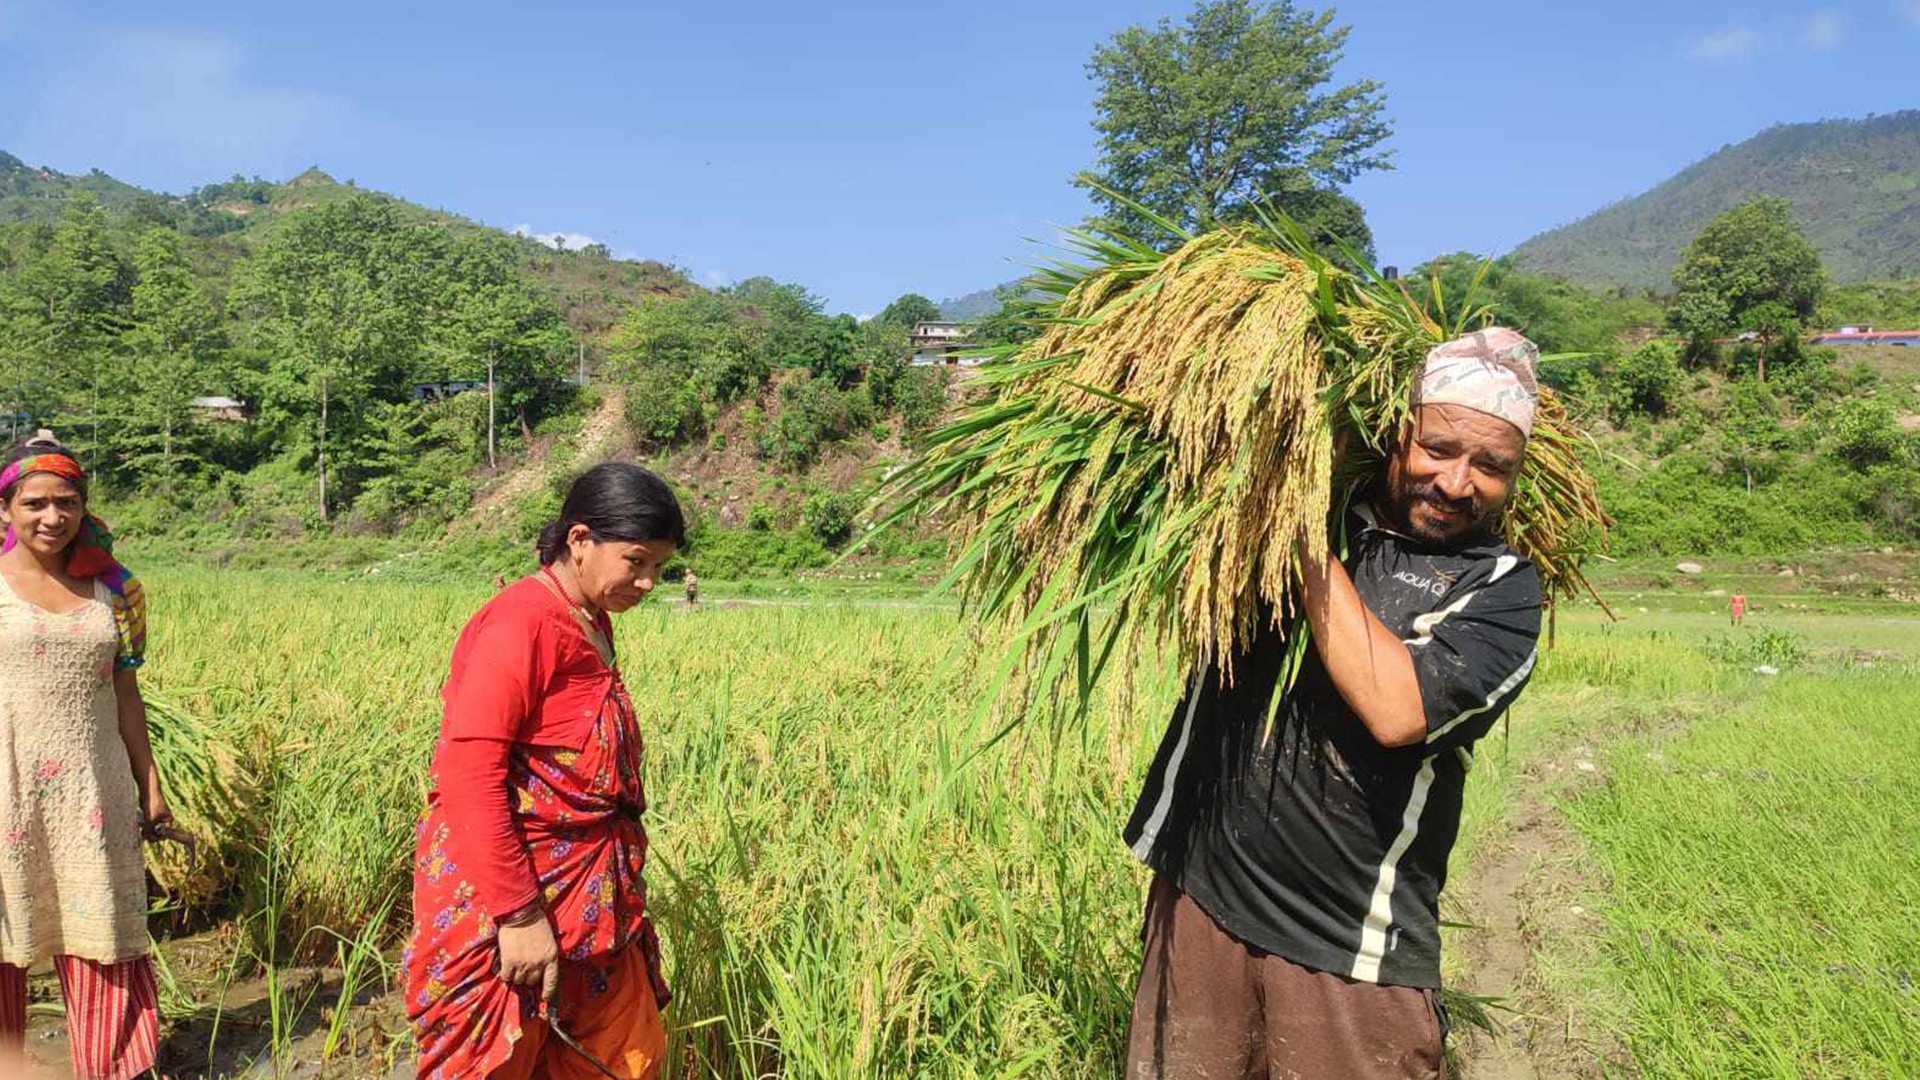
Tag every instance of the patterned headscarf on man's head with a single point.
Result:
(1490, 371)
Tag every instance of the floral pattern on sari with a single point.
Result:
(578, 812)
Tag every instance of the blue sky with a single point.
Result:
(871, 149)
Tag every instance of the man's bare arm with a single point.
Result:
(1369, 665)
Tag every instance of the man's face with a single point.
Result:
(1451, 477)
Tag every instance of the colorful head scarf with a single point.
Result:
(91, 555)
(1489, 371)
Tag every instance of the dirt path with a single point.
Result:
(597, 435)
(1525, 895)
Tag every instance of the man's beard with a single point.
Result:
(1471, 518)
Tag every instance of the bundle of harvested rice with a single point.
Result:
(1143, 470)
(206, 792)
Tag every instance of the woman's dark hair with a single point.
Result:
(616, 501)
(39, 444)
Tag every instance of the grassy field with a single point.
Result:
(839, 898)
(1766, 869)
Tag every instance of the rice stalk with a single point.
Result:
(1150, 468)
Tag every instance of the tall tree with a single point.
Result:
(70, 303)
(1749, 265)
(908, 310)
(170, 343)
(1198, 122)
(835, 351)
(495, 323)
(339, 293)
(791, 313)
(881, 350)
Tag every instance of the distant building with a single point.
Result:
(933, 344)
(440, 391)
(219, 408)
(1867, 335)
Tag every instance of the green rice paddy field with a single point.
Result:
(842, 896)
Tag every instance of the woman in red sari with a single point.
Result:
(532, 954)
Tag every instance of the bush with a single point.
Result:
(1649, 379)
(663, 409)
(828, 516)
(920, 398)
(1865, 433)
(1772, 646)
(738, 553)
(535, 511)
(813, 413)
(1685, 505)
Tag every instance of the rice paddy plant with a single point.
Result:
(1146, 473)
(818, 853)
(1764, 873)
(839, 895)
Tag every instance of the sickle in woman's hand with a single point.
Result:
(574, 1044)
(165, 829)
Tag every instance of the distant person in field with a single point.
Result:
(1293, 927)
(1737, 608)
(529, 908)
(78, 786)
(693, 589)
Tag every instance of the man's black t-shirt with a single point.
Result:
(1305, 837)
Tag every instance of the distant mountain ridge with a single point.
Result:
(980, 304)
(975, 305)
(1854, 185)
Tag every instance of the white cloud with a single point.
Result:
(1731, 45)
(716, 278)
(565, 241)
(1824, 31)
(171, 103)
(1909, 8)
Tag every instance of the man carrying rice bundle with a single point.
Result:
(1299, 847)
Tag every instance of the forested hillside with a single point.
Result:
(1854, 186)
(261, 363)
(307, 372)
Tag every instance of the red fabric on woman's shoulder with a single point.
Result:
(523, 671)
(501, 665)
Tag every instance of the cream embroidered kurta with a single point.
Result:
(72, 875)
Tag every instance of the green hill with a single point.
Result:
(224, 222)
(37, 193)
(1854, 185)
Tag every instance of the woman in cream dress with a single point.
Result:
(78, 787)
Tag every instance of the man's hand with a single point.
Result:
(530, 957)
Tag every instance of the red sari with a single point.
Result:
(536, 798)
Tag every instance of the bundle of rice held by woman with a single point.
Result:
(1141, 472)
